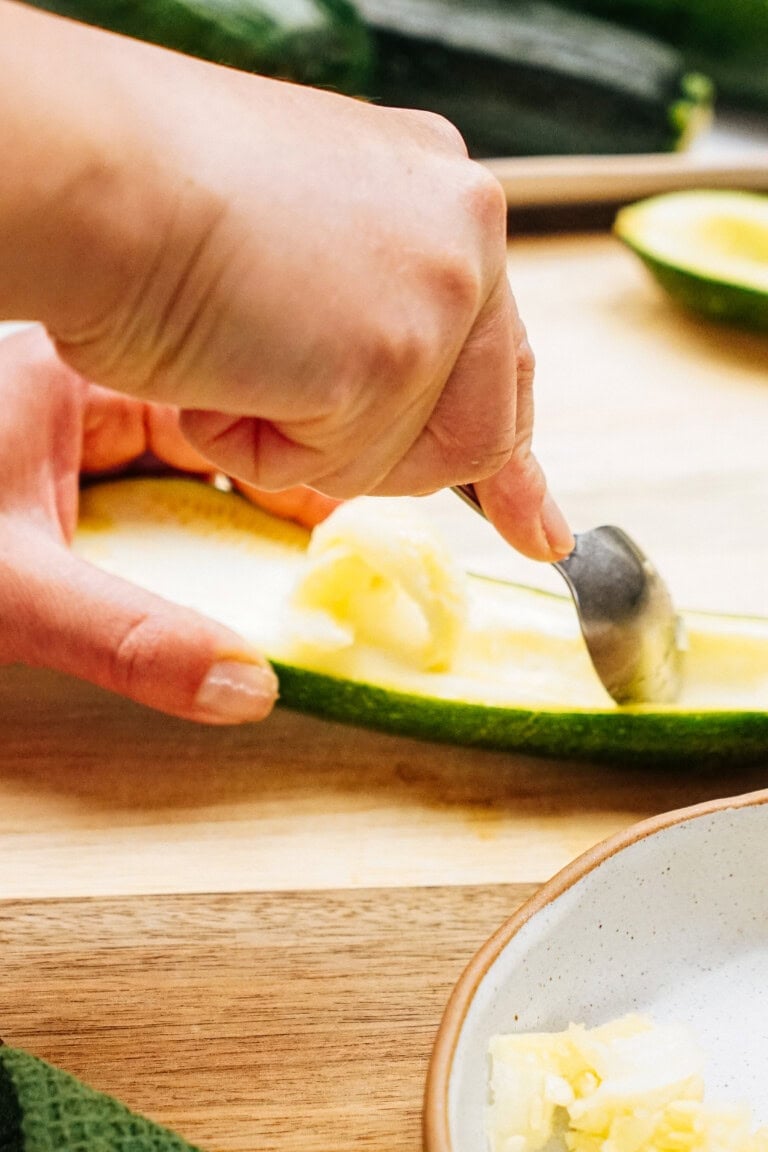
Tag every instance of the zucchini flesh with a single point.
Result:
(532, 78)
(522, 678)
(318, 42)
(708, 249)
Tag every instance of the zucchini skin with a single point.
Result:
(726, 39)
(531, 78)
(720, 301)
(663, 737)
(323, 43)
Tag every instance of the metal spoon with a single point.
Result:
(633, 635)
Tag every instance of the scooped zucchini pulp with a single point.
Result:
(371, 621)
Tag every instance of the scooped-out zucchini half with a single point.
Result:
(708, 249)
(519, 677)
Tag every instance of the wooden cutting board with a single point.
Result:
(251, 1022)
(99, 797)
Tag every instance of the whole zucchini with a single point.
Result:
(727, 39)
(532, 78)
(319, 42)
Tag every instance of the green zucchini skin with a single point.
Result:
(726, 39)
(627, 736)
(319, 42)
(531, 78)
(723, 302)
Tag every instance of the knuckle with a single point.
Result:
(525, 361)
(527, 476)
(490, 458)
(475, 454)
(485, 201)
(396, 353)
(439, 130)
(138, 653)
(457, 284)
(524, 355)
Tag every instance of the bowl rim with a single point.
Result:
(435, 1126)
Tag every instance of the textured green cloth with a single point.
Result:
(43, 1109)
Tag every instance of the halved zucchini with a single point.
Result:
(708, 249)
(520, 677)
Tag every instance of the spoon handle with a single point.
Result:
(466, 492)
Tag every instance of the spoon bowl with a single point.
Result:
(633, 634)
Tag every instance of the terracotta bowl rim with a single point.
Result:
(435, 1130)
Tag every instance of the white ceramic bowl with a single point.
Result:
(669, 918)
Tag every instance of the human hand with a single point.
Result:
(56, 610)
(319, 283)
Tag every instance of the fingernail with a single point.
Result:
(555, 527)
(234, 691)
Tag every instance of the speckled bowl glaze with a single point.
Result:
(669, 918)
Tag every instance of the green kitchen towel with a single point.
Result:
(43, 1109)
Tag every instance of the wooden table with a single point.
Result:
(250, 934)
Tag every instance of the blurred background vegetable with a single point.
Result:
(531, 78)
(726, 39)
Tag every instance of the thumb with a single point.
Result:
(516, 500)
(59, 612)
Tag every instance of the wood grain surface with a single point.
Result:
(249, 1023)
(102, 797)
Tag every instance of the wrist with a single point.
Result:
(83, 202)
